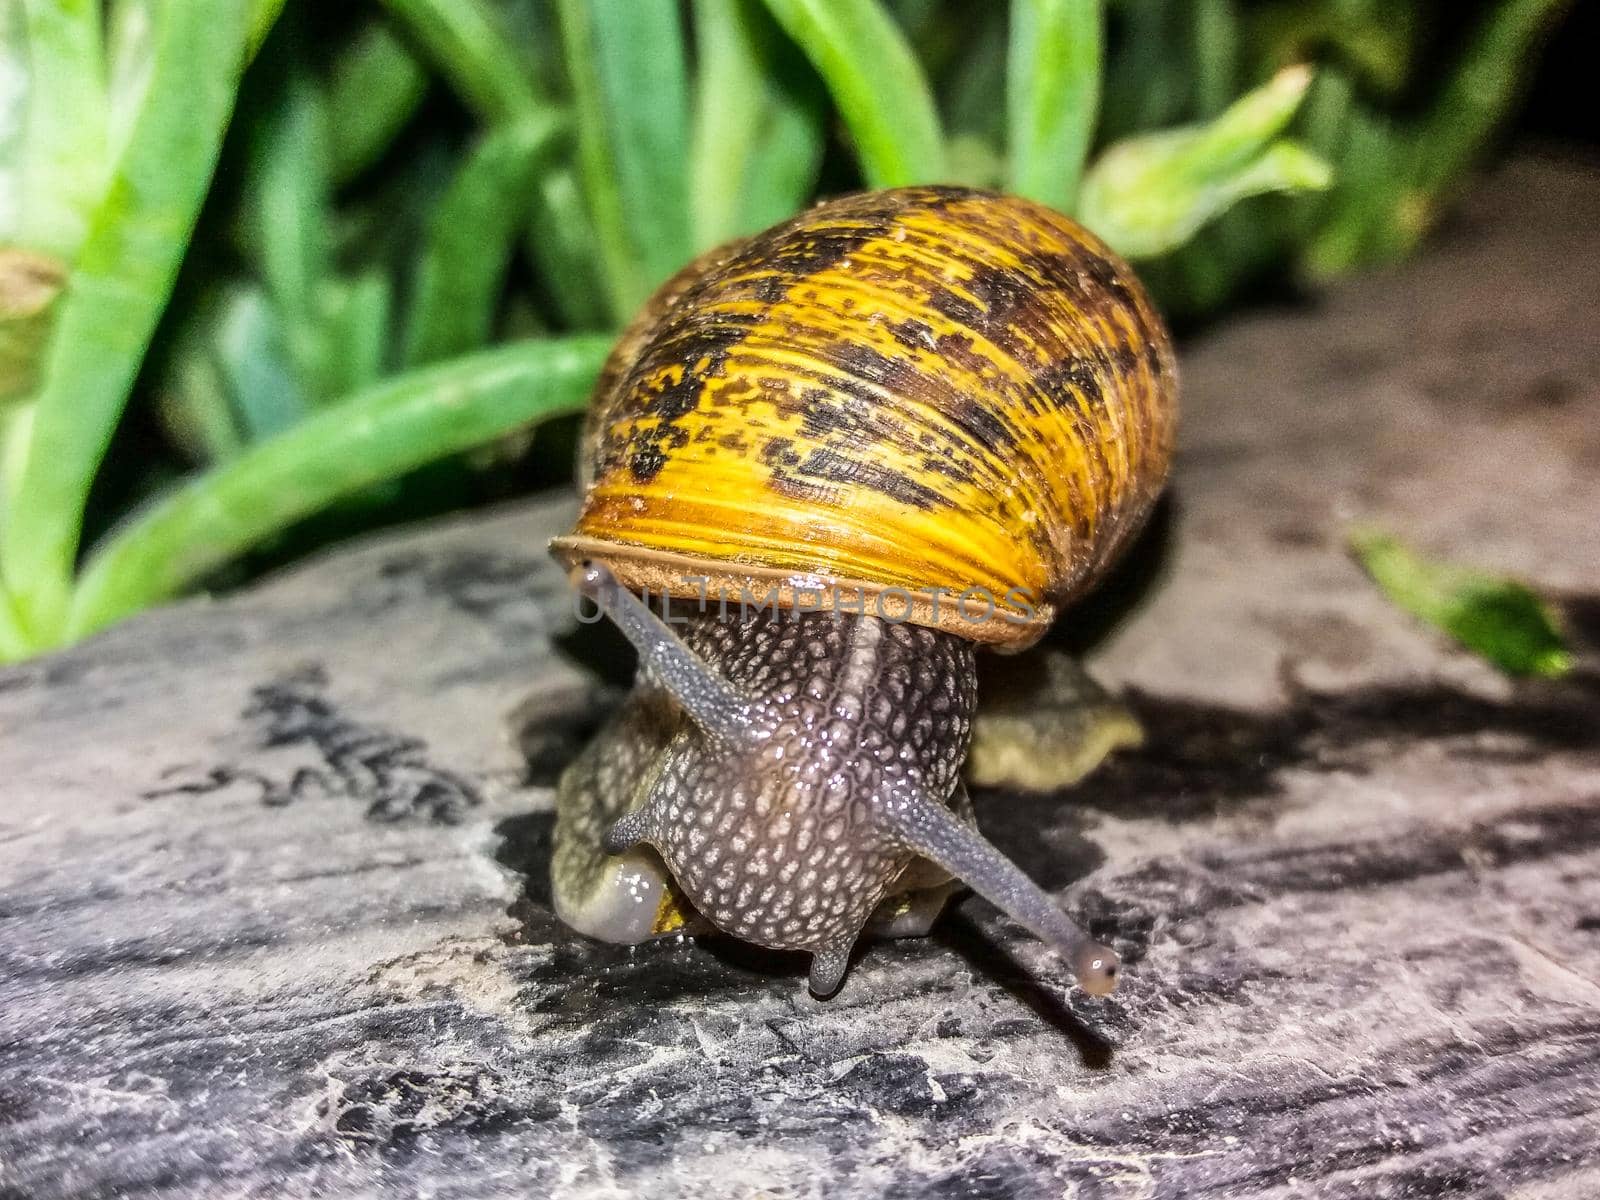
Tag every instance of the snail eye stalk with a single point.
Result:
(930, 829)
(709, 700)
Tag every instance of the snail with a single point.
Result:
(852, 450)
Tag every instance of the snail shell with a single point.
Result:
(901, 396)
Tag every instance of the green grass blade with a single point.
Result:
(786, 158)
(758, 132)
(730, 103)
(630, 85)
(466, 42)
(1216, 35)
(1476, 99)
(561, 240)
(1498, 619)
(1052, 96)
(63, 163)
(123, 276)
(249, 346)
(292, 202)
(470, 240)
(358, 316)
(375, 87)
(1148, 195)
(130, 28)
(876, 83)
(376, 435)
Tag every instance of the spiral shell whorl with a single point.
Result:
(916, 389)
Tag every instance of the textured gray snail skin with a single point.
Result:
(780, 843)
(791, 769)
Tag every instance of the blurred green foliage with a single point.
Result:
(263, 259)
(1497, 618)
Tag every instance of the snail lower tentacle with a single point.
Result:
(931, 830)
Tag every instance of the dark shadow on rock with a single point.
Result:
(662, 970)
(524, 847)
(551, 728)
(751, 960)
(599, 648)
(961, 934)
(1042, 832)
(1123, 592)
(1200, 760)
(1581, 615)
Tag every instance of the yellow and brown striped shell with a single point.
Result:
(903, 395)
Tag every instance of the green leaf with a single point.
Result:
(758, 130)
(1150, 194)
(1052, 96)
(1371, 157)
(63, 164)
(465, 40)
(290, 206)
(130, 33)
(120, 284)
(244, 338)
(561, 240)
(469, 242)
(1498, 619)
(226, 378)
(13, 119)
(630, 88)
(357, 312)
(375, 435)
(1479, 91)
(376, 87)
(786, 159)
(730, 99)
(876, 83)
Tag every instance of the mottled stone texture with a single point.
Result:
(274, 916)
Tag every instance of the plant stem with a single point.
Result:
(1053, 96)
(375, 435)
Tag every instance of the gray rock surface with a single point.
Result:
(274, 918)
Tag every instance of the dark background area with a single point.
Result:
(1561, 104)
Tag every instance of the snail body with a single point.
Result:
(897, 427)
